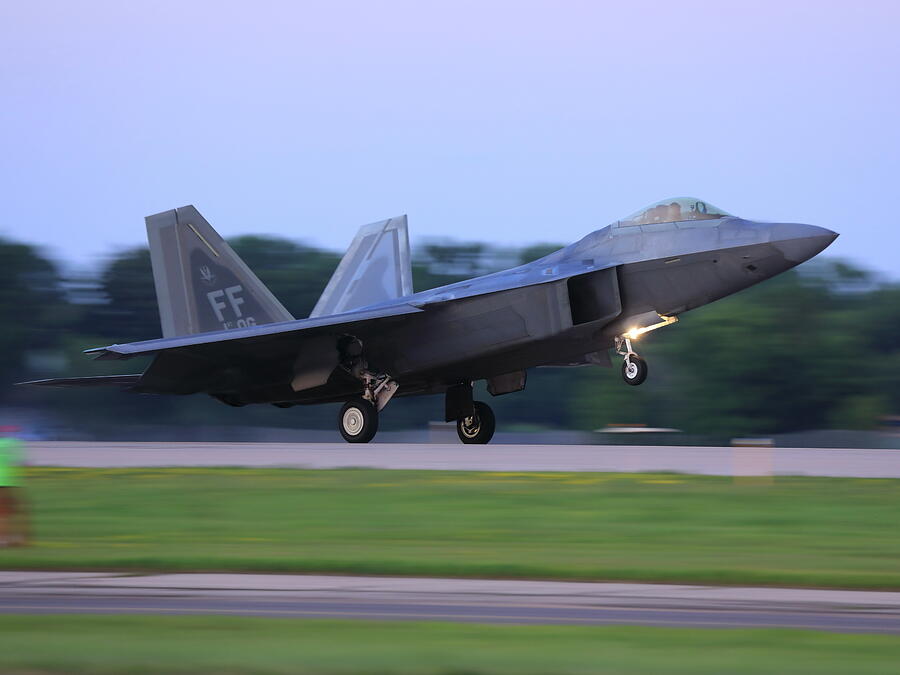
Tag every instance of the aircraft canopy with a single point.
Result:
(674, 210)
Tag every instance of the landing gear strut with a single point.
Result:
(475, 421)
(634, 368)
(358, 419)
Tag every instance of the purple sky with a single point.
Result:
(511, 122)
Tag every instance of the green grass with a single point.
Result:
(662, 527)
(233, 645)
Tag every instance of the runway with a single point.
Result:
(457, 600)
(716, 461)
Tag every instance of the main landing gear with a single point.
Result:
(358, 422)
(475, 422)
(477, 428)
(358, 419)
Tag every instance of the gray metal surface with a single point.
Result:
(201, 283)
(462, 600)
(627, 458)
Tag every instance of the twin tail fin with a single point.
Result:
(375, 269)
(201, 283)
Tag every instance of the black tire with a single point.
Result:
(478, 429)
(358, 421)
(636, 373)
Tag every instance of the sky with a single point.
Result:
(507, 122)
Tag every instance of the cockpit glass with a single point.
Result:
(674, 210)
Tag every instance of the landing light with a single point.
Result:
(635, 333)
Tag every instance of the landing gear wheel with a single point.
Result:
(358, 421)
(634, 370)
(478, 428)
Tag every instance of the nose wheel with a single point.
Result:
(634, 368)
(478, 427)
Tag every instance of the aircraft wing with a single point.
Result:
(220, 342)
(256, 354)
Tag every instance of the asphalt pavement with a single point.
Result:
(717, 461)
(457, 600)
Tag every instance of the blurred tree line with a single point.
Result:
(818, 347)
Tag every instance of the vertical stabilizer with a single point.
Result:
(201, 283)
(375, 268)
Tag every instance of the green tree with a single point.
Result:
(536, 251)
(440, 263)
(296, 274)
(32, 307)
(127, 310)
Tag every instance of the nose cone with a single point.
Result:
(801, 242)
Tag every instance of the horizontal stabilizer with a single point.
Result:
(124, 381)
(375, 268)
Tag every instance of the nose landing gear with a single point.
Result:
(634, 368)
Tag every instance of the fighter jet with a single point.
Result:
(371, 338)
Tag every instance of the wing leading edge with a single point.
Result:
(242, 336)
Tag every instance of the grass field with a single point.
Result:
(664, 527)
(235, 645)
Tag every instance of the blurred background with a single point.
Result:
(504, 130)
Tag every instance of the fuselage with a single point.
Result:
(568, 307)
(785, 244)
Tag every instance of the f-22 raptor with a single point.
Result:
(371, 338)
